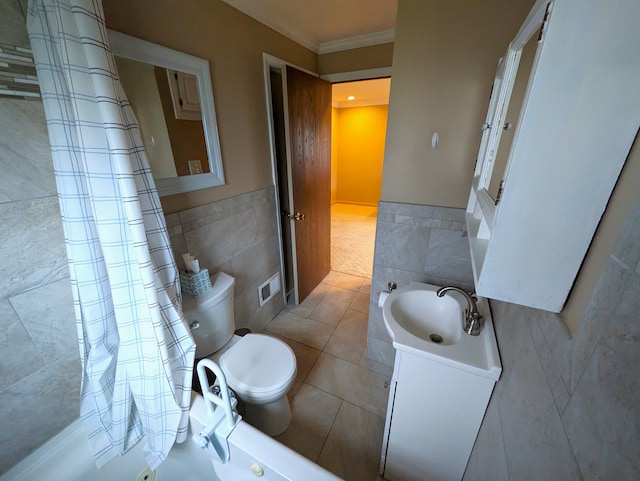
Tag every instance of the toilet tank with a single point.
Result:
(210, 315)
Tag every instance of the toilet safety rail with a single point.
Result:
(224, 400)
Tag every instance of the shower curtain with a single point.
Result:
(135, 346)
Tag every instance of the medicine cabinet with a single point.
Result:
(563, 114)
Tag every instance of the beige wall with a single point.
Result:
(445, 56)
(233, 44)
(358, 139)
(444, 62)
(365, 58)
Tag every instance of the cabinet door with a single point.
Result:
(579, 115)
(436, 416)
(184, 94)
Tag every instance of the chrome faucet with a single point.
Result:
(473, 322)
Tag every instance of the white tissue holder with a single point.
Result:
(195, 283)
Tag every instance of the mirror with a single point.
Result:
(525, 66)
(171, 95)
(507, 97)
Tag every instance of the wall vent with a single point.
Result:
(268, 289)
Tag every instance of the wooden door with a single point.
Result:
(309, 162)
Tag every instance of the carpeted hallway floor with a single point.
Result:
(353, 233)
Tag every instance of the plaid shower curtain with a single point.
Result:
(136, 349)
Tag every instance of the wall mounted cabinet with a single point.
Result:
(563, 114)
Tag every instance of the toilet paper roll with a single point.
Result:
(382, 298)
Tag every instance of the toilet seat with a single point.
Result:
(259, 368)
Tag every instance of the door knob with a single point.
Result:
(296, 216)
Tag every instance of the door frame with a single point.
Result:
(269, 62)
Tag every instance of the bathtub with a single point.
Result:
(252, 456)
(66, 457)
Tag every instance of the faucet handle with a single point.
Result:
(474, 323)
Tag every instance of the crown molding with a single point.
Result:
(268, 18)
(359, 41)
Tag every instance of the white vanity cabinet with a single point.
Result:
(434, 414)
(440, 387)
(564, 138)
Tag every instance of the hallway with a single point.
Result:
(353, 233)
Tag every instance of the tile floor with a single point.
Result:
(338, 401)
(353, 234)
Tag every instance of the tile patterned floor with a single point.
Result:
(338, 404)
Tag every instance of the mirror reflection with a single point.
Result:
(167, 107)
(171, 95)
(512, 116)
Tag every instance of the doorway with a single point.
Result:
(359, 123)
(355, 181)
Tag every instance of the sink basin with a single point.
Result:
(422, 323)
(429, 317)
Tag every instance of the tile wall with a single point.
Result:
(238, 236)
(414, 243)
(567, 408)
(39, 358)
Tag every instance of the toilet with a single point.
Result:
(259, 368)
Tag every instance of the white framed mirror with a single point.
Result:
(171, 95)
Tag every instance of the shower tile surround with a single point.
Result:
(39, 357)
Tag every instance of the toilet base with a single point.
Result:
(272, 418)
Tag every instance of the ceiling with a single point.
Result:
(325, 26)
(366, 92)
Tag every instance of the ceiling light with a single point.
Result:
(351, 97)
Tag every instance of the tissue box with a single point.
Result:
(195, 284)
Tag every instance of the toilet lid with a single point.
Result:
(258, 364)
